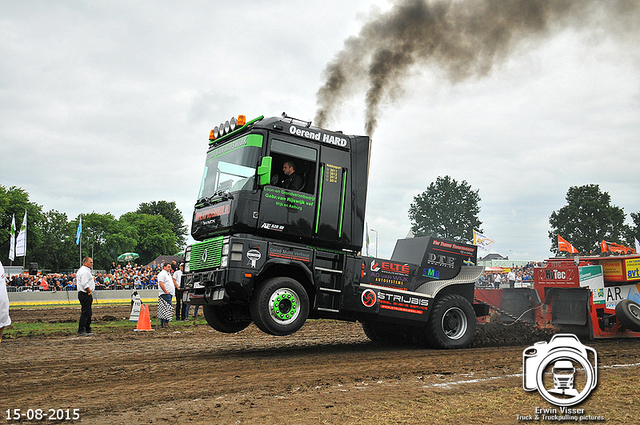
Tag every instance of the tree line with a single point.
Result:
(154, 228)
(449, 209)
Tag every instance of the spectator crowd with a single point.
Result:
(119, 276)
(515, 277)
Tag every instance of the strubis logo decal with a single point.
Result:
(564, 372)
(368, 298)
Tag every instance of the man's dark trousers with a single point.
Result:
(85, 312)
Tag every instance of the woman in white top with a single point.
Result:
(5, 320)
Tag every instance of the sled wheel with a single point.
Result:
(280, 306)
(226, 318)
(452, 323)
(628, 313)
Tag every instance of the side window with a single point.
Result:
(294, 166)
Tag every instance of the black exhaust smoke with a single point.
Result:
(463, 38)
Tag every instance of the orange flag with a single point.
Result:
(563, 245)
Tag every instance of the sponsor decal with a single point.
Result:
(389, 272)
(229, 147)
(431, 272)
(440, 260)
(405, 303)
(318, 136)
(204, 256)
(272, 226)
(288, 253)
(464, 250)
(632, 267)
(368, 298)
(288, 199)
(211, 212)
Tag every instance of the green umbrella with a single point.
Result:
(128, 256)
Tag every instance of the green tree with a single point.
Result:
(58, 243)
(447, 209)
(154, 235)
(587, 219)
(633, 232)
(98, 239)
(170, 211)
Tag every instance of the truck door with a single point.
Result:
(332, 193)
(290, 212)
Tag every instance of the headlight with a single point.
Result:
(187, 259)
(224, 261)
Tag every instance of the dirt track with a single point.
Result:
(326, 373)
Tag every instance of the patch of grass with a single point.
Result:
(44, 329)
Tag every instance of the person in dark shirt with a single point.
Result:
(292, 180)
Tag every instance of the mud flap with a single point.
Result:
(511, 304)
(568, 306)
(519, 303)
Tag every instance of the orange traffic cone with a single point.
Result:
(144, 320)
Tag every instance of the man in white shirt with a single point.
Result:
(497, 280)
(166, 290)
(86, 285)
(511, 277)
(180, 306)
(5, 320)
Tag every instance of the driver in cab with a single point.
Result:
(292, 180)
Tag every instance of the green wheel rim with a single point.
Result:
(284, 306)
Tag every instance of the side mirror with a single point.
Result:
(264, 171)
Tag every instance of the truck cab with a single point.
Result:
(242, 191)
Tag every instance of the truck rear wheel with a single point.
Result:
(452, 323)
(226, 318)
(628, 313)
(280, 306)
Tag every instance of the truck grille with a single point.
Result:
(206, 255)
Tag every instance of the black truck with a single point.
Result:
(276, 255)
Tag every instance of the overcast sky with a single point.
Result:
(107, 104)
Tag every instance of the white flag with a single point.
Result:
(482, 241)
(21, 242)
(12, 241)
(637, 246)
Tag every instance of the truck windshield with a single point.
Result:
(231, 167)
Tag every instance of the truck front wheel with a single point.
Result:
(452, 323)
(226, 318)
(280, 306)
